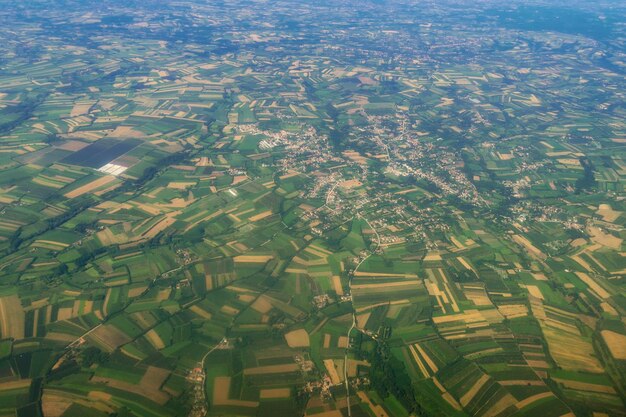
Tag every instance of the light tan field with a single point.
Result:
(386, 285)
(342, 343)
(568, 161)
(571, 352)
(381, 274)
(136, 291)
(478, 296)
(468, 316)
(260, 216)
(20, 383)
(296, 270)
(465, 263)
(469, 395)
(54, 405)
(180, 185)
(258, 259)
(64, 313)
(221, 387)
(608, 308)
(349, 184)
(313, 262)
(53, 243)
(275, 393)
(378, 410)
(527, 401)
(533, 250)
(605, 239)
(317, 251)
(511, 311)
(326, 340)
(583, 386)
(81, 108)
(262, 305)
(534, 291)
(229, 310)
(163, 224)
(72, 145)
(154, 339)
(608, 214)
(580, 261)
(329, 364)
(616, 343)
(593, 285)
(361, 319)
(127, 132)
(197, 218)
(504, 403)
(12, 320)
(356, 157)
(418, 361)
(93, 185)
(337, 285)
(432, 257)
(289, 175)
(99, 395)
(298, 338)
(431, 364)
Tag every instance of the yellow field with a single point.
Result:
(378, 410)
(180, 185)
(521, 240)
(262, 305)
(11, 317)
(511, 311)
(432, 257)
(593, 285)
(20, 383)
(382, 274)
(329, 364)
(605, 239)
(337, 285)
(260, 216)
(386, 284)
(258, 259)
(297, 338)
(608, 214)
(418, 361)
(469, 395)
(583, 386)
(54, 405)
(534, 291)
(616, 343)
(527, 401)
(342, 342)
(93, 185)
(571, 352)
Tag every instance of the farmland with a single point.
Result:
(312, 208)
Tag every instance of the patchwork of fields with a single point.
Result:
(286, 209)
